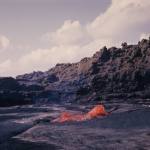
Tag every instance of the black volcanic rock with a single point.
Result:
(111, 72)
(9, 83)
(105, 55)
(122, 73)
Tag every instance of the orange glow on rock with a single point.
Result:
(98, 110)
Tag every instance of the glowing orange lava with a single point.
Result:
(98, 110)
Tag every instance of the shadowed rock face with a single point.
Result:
(111, 72)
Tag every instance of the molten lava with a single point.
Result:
(98, 110)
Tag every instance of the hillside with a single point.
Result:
(112, 73)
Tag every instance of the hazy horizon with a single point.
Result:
(37, 34)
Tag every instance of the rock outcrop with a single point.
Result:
(122, 73)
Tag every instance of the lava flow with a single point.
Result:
(98, 110)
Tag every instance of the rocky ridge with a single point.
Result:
(113, 73)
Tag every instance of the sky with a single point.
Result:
(35, 35)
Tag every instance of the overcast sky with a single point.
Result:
(37, 34)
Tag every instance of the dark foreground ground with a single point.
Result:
(29, 128)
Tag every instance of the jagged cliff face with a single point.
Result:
(63, 79)
(111, 73)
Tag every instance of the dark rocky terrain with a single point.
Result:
(29, 128)
(113, 73)
(120, 77)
